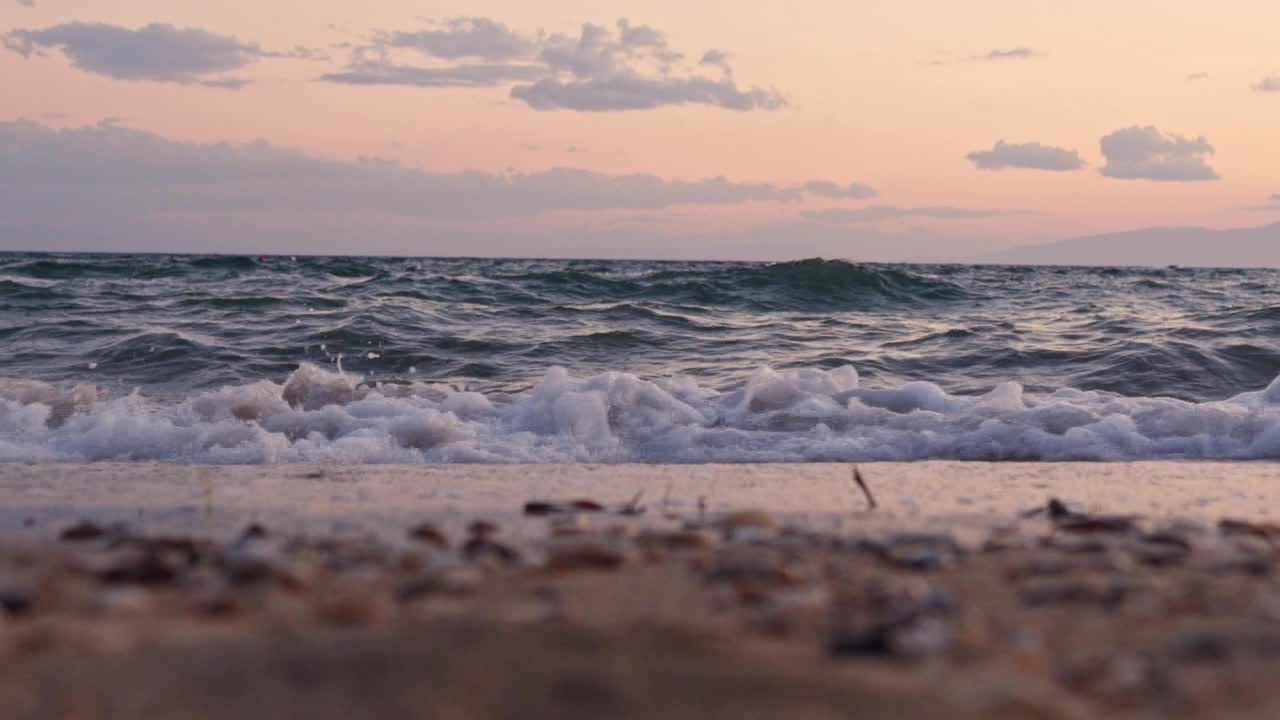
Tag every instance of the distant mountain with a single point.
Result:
(1194, 246)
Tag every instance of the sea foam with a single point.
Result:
(794, 415)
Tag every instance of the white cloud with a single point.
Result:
(1145, 153)
(156, 52)
(601, 69)
(1032, 156)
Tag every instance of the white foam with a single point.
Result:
(795, 415)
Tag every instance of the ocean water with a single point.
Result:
(220, 359)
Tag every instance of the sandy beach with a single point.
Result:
(162, 591)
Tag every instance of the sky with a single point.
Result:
(919, 129)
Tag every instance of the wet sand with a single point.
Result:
(639, 591)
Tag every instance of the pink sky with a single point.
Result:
(894, 96)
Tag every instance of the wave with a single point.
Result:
(814, 285)
(794, 415)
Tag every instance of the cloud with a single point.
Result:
(1032, 156)
(111, 187)
(1017, 53)
(828, 189)
(1268, 84)
(942, 58)
(632, 92)
(459, 76)
(601, 69)
(27, 3)
(881, 213)
(52, 175)
(1144, 153)
(717, 58)
(467, 37)
(156, 52)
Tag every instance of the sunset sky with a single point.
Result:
(872, 130)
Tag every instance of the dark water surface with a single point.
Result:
(472, 359)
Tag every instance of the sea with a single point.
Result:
(229, 359)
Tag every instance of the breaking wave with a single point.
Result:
(319, 415)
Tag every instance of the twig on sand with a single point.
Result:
(633, 507)
(866, 491)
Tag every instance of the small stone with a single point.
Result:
(15, 603)
(148, 567)
(83, 531)
(482, 528)
(430, 535)
(538, 508)
(255, 531)
(481, 548)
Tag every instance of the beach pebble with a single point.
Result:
(542, 508)
(15, 603)
(538, 508)
(482, 549)
(146, 566)
(430, 535)
(254, 531)
(482, 528)
(83, 531)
